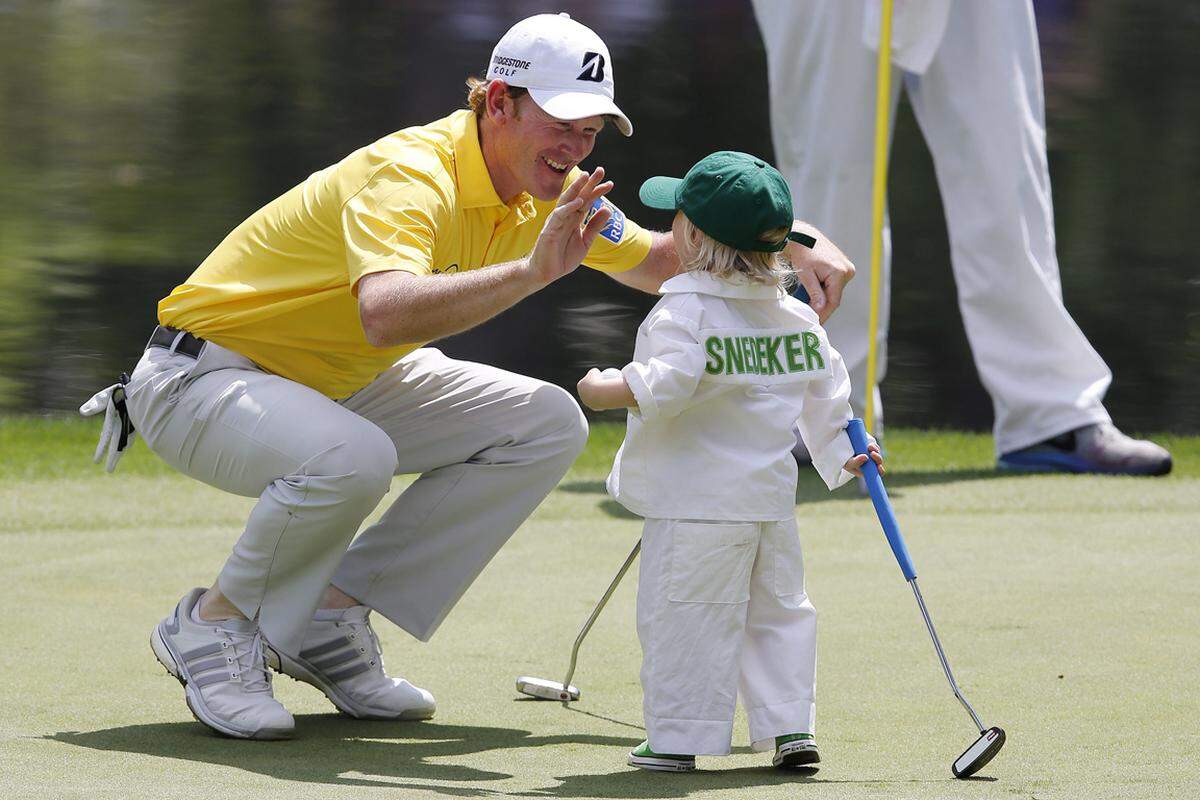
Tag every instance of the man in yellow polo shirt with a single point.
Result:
(291, 367)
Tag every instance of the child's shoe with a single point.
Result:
(643, 757)
(796, 751)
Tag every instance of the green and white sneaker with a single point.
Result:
(643, 757)
(796, 751)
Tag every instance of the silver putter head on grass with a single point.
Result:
(543, 689)
(974, 757)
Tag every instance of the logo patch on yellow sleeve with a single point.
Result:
(614, 229)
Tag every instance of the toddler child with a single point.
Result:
(724, 366)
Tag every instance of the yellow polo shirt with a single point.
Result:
(280, 289)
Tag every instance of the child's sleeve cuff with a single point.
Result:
(830, 461)
(634, 374)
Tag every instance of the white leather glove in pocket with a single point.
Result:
(117, 433)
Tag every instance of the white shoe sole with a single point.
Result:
(660, 764)
(195, 701)
(800, 758)
(298, 672)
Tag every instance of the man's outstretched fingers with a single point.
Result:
(601, 190)
(565, 214)
(594, 179)
(594, 189)
(582, 186)
(595, 225)
(574, 189)
(591, 198)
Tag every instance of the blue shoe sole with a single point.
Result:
(1046, 461)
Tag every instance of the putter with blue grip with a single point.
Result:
(990, 739)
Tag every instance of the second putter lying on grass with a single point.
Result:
(544, 689)
(990, 740)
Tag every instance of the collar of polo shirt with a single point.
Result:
(475, 188)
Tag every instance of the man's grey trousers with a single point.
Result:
(489, 446)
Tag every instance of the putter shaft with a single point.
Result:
(587, 626)
(937, 645)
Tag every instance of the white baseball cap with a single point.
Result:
(564, 65)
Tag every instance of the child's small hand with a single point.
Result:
(602, 390)
(587, 386)
(854, 464)
(590, 386)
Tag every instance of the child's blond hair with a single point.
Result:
(702, 253)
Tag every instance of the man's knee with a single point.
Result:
(358, 468)
(560, 418)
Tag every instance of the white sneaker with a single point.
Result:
(341, 657)
(222, 666)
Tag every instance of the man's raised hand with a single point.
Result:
(566, 239)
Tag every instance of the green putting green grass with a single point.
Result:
(1069, 607)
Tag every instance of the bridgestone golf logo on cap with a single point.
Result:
(503, 66)
(593, 68)
(505, 61)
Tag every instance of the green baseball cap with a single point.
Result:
(733, 197)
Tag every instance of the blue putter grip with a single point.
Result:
(883, 506)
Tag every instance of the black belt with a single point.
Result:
(181, 341)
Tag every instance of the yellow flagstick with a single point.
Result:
(883, 96)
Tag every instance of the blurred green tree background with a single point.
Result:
(134, 135)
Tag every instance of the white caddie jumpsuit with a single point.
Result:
(722, 371)
(973, 74)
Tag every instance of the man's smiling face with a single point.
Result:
(537, 150)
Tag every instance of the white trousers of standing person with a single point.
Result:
(977, 95)
(489, 446)
(722, 609)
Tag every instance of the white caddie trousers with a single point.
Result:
(722, 609)
(489, 446)
(973, 74)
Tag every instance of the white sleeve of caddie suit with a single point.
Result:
(823, 423)
(664, 384)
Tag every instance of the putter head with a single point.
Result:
(543, 689)
(978, 754)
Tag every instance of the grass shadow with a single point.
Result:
(333, 749)
(615, 509)
(811, 489)
(613, 720)
(609, 506)
(582, 487)
(329, 746)
(633, 783)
